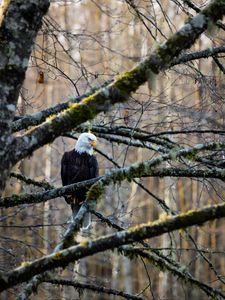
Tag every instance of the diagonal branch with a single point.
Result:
(153, 256)
(39, 117)
(162, 262)
(67, 240)
(190, 4)
(90, 247)
(221, 67)
(176, 269)
(197, 55)
(122, 87)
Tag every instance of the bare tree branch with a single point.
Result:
(221, 67)
(93, 287)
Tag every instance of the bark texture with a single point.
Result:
(20, 24)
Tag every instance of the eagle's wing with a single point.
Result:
(94, 169)
(64, 165)
(71, 168)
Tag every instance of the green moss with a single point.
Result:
(211, 29)
(172, 47)
(135, 229)
(25, 263)
(50, 118)
(130, 81)
(95, 191)
(84, 243)
(128, 253)
(57, 256)
(77, 113)
(118, 176)
(195, 213)
(82, 111)
(215, 10)
(143, 169)
(17, 198)
(223, 173)
(192, 155)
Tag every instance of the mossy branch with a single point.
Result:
(153, 256)
(167, 264)
(163, 263)
(134, 234)
(122, 86)
(37, 118)
(66, 241)
(29, 198)
(197, 9)
(145, 168)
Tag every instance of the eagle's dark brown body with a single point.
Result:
(76, 167)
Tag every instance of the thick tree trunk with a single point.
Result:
(20, 22)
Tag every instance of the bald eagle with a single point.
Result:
(79, 165)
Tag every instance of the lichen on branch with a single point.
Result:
(112, 241)
(147, 167)
(122, 86)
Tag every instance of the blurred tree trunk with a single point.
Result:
(116, 264)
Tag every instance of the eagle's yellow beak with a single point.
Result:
(93, 144)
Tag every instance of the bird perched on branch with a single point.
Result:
(79, 165)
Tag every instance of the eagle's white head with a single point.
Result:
(85, 143)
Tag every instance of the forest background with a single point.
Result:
(147, 78)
